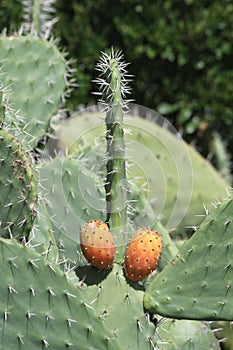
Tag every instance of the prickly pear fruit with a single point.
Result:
(142, 254)
(97, 244)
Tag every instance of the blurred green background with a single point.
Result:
(180, 54)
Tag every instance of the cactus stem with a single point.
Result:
(113, 86)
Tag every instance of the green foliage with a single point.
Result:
(10, 14)
(221, 156)
(185, 47)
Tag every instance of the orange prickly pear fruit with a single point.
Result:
(142, 254)
(97, 244)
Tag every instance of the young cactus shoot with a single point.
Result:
(113, 85)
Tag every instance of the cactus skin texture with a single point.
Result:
(120, 306)
(198, 282)
(41, 237)
(18, 188)
(152, 150)
(97, 244)
(185, 335)
(41, 309)
(35, 71)
(142, 254)
(71, 196)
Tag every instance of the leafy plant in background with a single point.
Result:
(189, 42)
(51, 297)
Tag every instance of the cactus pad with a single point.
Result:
(185, 335)
(72, 196)
(18, 188)
(121, 308)
(197, 284)
(175, 179)
(35, 73)
(41, 309)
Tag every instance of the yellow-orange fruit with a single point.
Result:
(97, 244)
(142, 254)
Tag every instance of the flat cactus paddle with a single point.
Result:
(197, 284)
(18, 188)
(35, 74)
(41, 309)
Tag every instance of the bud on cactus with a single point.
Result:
(97, 244)
(142, 254)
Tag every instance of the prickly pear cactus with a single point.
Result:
(175, 179)
(35, 72)
(39, 14)
(120, 307)
(18, 188)
(41, 237)
(41, 309)
(72, 195)
(198, 282)
(113, 86)
(50, 296)
(185, 335)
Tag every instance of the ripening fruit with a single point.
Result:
(142, 254)
(97, 244)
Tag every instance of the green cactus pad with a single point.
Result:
(41, 237)
(185, 335)
(41, 309)
(72, 196)
(18, 188)
(175, 179)
(120, 307)
(197, 284)
(35, 74)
